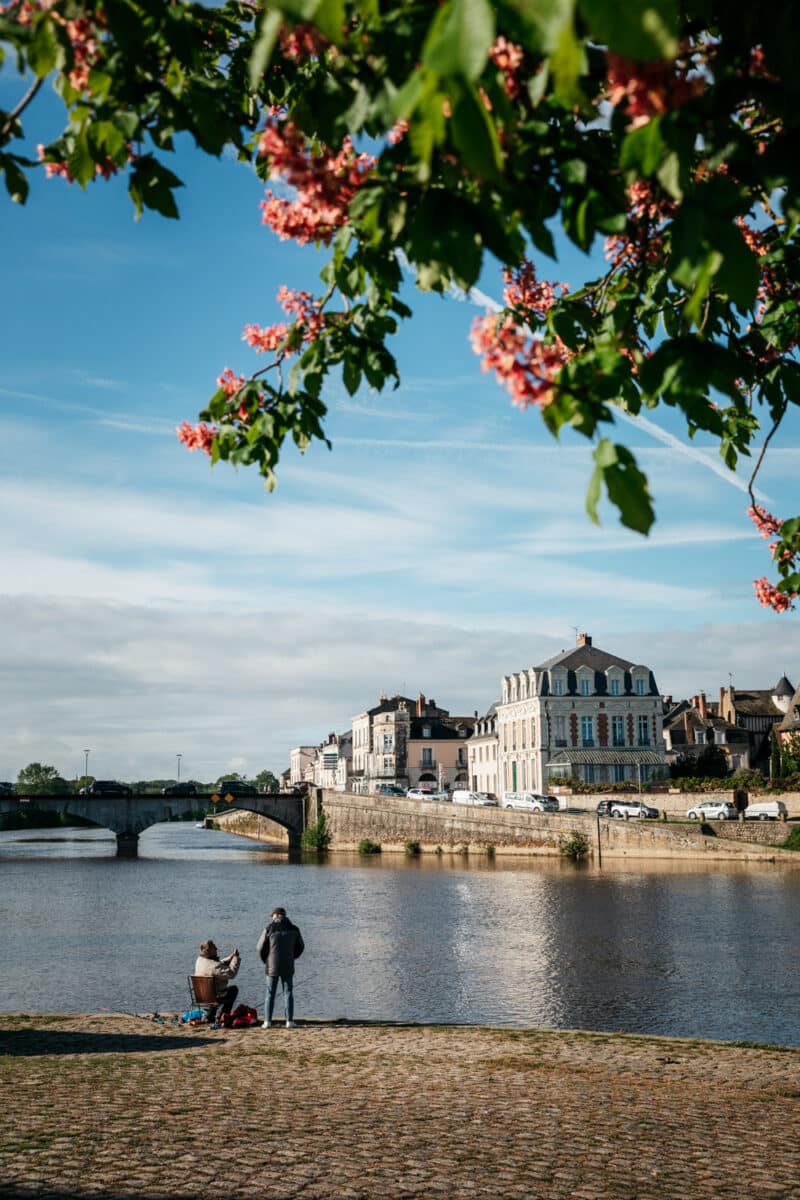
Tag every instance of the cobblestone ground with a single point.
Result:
(116, 1106)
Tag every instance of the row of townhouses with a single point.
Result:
(584, 714)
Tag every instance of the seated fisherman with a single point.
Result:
(221, 970)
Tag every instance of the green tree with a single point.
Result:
(37, 779)
(790, 755)
(666, 133)
(265, 781)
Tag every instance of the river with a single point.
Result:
(661, 948)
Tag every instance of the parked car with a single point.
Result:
(179, 789)
(604, 808)
(236, 787)
(623, 807)
(482, 799)
(766, 810)
(106, 787)
(6, 789)
(532, 801)
(389, 789)
(712, 810)
(418, 793)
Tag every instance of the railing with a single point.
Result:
(587, 743)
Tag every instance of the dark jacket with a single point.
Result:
(279, 945)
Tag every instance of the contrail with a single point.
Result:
(480, 300)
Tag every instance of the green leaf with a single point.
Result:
(351, 374)
(544, 20)
(330, 18)
(639, 29)
(642, 148)
(475, 136)
(264, 44)
(44, 51)
(80, 162)
(16, 183)
(625, 484)
(459, 38)
(567, 64)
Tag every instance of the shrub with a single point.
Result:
(365, 846)
(439, 850)
(490, 851)
(574, 846)
(793, 840)
(412, 848)
(316, 836)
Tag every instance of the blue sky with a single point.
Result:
(154, 606)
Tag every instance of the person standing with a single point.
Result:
(221, 970)
(279, 945)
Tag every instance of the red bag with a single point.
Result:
(243, 1017)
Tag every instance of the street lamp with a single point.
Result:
(178, 758)
(86, 754)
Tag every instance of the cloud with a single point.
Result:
(139, 684)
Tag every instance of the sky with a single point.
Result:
(153, 606)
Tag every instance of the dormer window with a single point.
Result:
(558, 686)
(426, 731)
(613, 687)
(585, 687)
(639, 686)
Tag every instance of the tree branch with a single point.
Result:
(11, 117)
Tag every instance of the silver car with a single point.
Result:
(712, 810)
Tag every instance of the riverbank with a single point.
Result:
(117, 1106)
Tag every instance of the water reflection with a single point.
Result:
(673, 948)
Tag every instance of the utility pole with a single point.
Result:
(178, 758)
(86, 754)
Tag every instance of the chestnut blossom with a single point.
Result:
(229, 382)
(397, 132)
(527, 367)
(106, 168)
(325, 183)
(647, 88)
(647, 212)
(768, 596)
(765, 523)
(507, 57)
(524, 291)
(198, 437)
(301, 42)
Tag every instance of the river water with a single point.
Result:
(661, 948)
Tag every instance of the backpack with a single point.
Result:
(243, 1016)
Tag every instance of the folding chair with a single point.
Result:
(202, 992)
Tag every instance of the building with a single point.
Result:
(380, 740)
(584, 714)
(789, 728)
(333, 763)
(302, 760)
(757, 710)
(437, 752)
(482, 753)
(691, 726)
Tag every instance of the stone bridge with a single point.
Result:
(128, 816)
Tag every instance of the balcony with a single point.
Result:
(426, 764)
(587, 743)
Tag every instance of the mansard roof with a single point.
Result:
(596, 660)
(442, 728)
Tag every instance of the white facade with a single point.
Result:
(302, 759)
(584, 714)
(482, 754)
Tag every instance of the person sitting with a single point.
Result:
(221, 970)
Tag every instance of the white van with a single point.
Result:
(461, 796)
(766, 810)
(532, 801)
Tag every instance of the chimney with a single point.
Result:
(721, 700)
(476, 714)
(584, 639)
(686, 724)
(420, 705)
(668, 701)
(703, 707)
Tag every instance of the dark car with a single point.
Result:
(604, 808)
(179, 789)
(236, 787)
(107, 787)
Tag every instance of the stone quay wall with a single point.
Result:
(393, 821)
(252, 825)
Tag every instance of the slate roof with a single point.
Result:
(620, 754)
(597, 661)
(442, 729)
(783, 687)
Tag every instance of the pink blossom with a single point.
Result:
(647, 88)
(765, 523)
(268, 338)
(527, 367)
(397, 132)
(524, 291)
(325, 183)
(229, 382)
(769, 597)
(507, 56)
(301, 42)
(199, 437)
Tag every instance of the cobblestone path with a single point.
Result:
(116, 1106)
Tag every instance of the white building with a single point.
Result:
(482, 754)
(583, 714)
(334, 761)
(302, 760)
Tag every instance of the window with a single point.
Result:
(560, 730)
(387, 741)
(699, 737)
(614, 687)
(427, 756)
(513, 735)
(720, 737)
(644, 731)
(619, 772)
(558, 686)
(639, 687)
(533, 732)
(505, 737)
(460, 757)
(588, 773)
(585, 687)
(426, 731)
(617, 731)
(587, 731)
(523, 733)
(386, 764)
